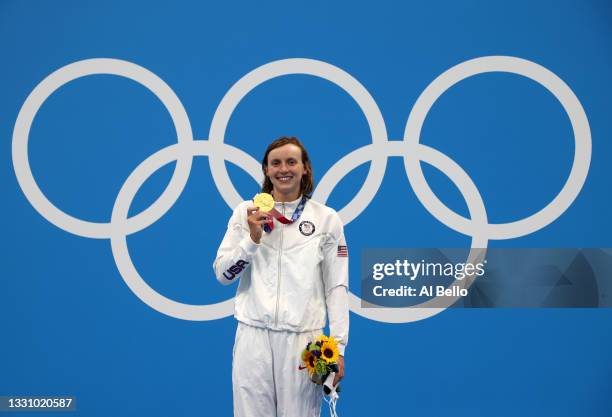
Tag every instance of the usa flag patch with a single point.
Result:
(343, 251)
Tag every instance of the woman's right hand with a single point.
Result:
(256, 219)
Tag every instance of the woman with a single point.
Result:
(291, 277)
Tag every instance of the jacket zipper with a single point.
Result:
(278, 281)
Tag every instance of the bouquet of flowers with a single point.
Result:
(320, 358)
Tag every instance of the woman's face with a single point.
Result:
(285, 170)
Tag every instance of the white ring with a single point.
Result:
(476, 209)
(47, 87)
(318, 69)
(120, 229)
(558, 88)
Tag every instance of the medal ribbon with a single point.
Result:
(268, 227)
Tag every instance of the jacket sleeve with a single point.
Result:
(335, 280)
(237, 248)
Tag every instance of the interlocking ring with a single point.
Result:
(381, 148)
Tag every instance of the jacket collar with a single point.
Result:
(290, 206)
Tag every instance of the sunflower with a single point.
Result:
(310, 360)
(329, 350)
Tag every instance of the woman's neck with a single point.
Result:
(284, 198)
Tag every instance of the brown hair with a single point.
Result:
(307, 184)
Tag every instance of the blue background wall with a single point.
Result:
(70, 325)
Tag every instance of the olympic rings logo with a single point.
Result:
(381, 148)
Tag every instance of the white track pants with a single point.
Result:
(265, 376)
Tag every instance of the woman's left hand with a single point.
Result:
(340, 373)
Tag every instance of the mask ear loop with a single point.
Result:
(331, 399)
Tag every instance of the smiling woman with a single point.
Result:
(287, 170)
(292, 277)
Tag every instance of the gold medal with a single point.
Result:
(264, 201)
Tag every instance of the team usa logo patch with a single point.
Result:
(342, 251)
(307, 228)
(235, 270)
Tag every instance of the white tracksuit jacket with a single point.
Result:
(294, 276)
